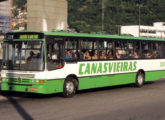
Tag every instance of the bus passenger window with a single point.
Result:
(121, 50)
(55, 55)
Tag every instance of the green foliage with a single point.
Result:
(86, 15)
(15, 12)
(20, 3)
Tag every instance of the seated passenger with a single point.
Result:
(31, 56)
(117, 55)
(135, 55)
(87, 55)
(95, 56)
(148, 55)
(155, 54)
(110, 54)
(103, 55)
(68, 55)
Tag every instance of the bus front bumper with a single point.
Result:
(40, 89)
(32, 85)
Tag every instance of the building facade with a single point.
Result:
(155, 31)
(45, 15)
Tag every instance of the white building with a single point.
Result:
(156, 31)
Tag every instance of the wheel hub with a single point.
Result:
(70, 87)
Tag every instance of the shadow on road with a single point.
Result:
(19, 109)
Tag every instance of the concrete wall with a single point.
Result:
(45, 15)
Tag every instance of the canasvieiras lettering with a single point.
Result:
(106, 67)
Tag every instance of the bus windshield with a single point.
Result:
(23, 55)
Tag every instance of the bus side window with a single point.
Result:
(134, 49)
(146, 50)
(71, 50)
(121, 49)
(163, 49)
(88, 49)
(55, 55)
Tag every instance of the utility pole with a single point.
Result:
(11, 15)
(139, 5)
(139, 20)
(103, 11)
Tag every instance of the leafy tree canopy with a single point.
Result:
(86, 15)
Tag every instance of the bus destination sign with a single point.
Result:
(25, 36)
(29, 36)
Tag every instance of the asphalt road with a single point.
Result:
(114, 103)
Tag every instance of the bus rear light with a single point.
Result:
(33, 89)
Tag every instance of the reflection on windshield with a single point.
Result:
(23, 55)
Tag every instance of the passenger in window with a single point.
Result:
(148, 55)
(103, 55)
(155, 54)
(135, 55)
(76, 55)
(54, 56)
(95, 56)
(68, 55)
(30, 57)
(87, 55)
(110, 54)
(118, 56)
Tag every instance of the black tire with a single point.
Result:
(140, 78)
(70, 87)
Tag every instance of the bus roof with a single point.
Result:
(69, 34)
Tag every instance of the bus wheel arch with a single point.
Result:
(140, 78)
(70, 86)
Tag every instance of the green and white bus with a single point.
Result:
(63, 62)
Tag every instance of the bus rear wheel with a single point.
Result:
(69, 87)
(140, 79)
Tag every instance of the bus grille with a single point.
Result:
(20, 75)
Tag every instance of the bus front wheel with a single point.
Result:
(69, 87)
(140, 79)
